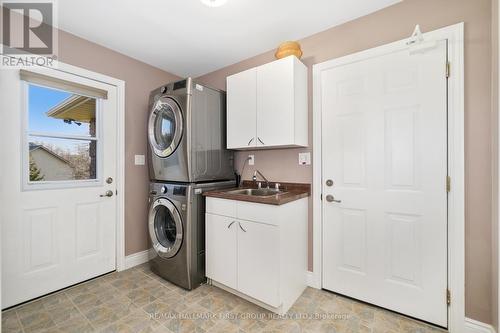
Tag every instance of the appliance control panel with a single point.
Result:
(178, 190)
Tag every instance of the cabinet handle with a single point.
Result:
(261, 141)
(249, 142)
(230, 224)
(241, 227)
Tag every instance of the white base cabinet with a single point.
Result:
(258, 251)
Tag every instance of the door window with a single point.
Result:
(62, 137)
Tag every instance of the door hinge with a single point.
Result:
(448, 296)
(448, 183)
(448, 69)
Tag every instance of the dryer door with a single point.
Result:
(165, 228)
(165, 126)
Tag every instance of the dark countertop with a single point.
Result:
(293, 191)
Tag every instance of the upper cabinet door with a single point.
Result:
(275, 103)
(241, 110)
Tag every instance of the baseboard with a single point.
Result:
(138, 258)
(312, 280)
(474, 326)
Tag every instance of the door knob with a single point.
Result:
(330, 198)
(108, 193)
(329, 182)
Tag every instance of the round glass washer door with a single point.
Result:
(165, 228)
(165, 126)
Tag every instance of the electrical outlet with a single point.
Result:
(251, 159)
(304, 158)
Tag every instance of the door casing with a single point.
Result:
(454, 34)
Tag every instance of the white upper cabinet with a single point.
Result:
(267, 106)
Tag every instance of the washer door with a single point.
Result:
(165, 126)
(165, 228)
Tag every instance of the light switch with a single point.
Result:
(140, 160)
(251, 159)
(304, 158)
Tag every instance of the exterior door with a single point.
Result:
(165, 127)
(57, 200)
(384, 167)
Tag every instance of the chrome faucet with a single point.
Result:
(254, 178)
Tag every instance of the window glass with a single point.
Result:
(62, 136)
(57, 111)
(53, 159)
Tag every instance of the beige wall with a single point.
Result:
(140, 79)
(392, 24)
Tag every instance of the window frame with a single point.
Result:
(26, 134)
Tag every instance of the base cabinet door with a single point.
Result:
(258, 261)
(220, 249)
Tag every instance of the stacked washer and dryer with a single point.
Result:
(187, 156)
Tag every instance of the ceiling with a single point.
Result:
(187, 38)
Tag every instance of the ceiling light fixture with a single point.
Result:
(213, 3)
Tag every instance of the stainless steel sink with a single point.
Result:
(260, 192)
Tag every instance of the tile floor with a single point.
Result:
(137, 300)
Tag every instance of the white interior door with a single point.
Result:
(384, 168)
(59, 148)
